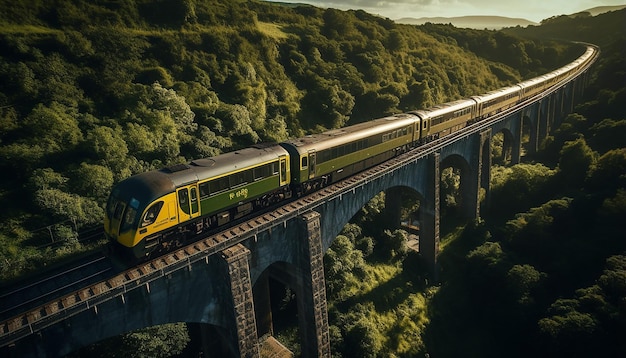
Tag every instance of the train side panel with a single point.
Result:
(356, 155)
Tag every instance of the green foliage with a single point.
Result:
(92, 180)
(608, 134)
(600, 30)
(590, 322)
(343, 267)
(522, 280)
(364, 339)
(62, 206)
(166, 340)
(519, 187)
(396, 244)
(609, 172)
(160, 341)
(576, 158)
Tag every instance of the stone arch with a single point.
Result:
(506, 140)
(265, 296)
(528, 140)
(463, 193)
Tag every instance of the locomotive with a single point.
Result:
(153, 212)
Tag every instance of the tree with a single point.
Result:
(159, 341)
(94, 181)
(237, 122)
(61, 206)
(364, 339)
(168, 340)
(53, 127)
(46, 178)
(396, 41)
(396, 243)
(609, 172)
(522, 280)
(576, 158)
(519, 187)
(343, 266)
(569, 331)
(107, 147)
(608, 134)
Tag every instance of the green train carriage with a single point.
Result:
(320, 159)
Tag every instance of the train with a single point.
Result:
(154, 212)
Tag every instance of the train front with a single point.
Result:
(129, 211)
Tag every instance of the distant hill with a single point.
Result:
(602, 9)
(473, 22)
(494, 22)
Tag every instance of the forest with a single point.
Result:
(92, 92)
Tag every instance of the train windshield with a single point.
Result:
(114, 209)
(129, 215)
(121, 212)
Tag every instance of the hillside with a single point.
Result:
(601, 29)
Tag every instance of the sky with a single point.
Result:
(533, 10)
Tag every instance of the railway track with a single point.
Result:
(38, 290)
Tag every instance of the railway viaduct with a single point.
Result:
(221, 286)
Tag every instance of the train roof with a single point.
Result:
(236, 160)
(147, 187)
(444, 108)
(497, 93)
(334, 137)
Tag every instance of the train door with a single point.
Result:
(312, 164)
(425, 128)
(283, 170)
(188, 204)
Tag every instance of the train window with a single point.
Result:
(151, 214)
(238, 179)
(234, 179)
(218, 185)
(274, 169)
(262, 172)
(112, 203)
(119, 208)
(183, 197)
(204, 190)
(341, 150)
(322, 156)
(374, 140)
(305, 162)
